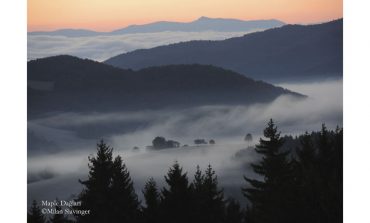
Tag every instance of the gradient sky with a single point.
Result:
(106, 15)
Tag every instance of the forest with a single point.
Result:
(300, 179)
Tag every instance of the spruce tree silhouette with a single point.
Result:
(108, 193)
(306, 154)
(330, 172)
(176, 197)
(337, 184)
(208, 198)
(152, 200)
(95, 195)
(305, 172)
(319, 173)
(214, 197)
(270, 196)
(35, 215)
(124, 201)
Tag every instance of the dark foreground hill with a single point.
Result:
(291, 52)
(65, 83)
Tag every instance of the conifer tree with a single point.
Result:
(270, 197)
(209, 201)
(35, 215)
(337, 185)
(123, 199)
(152, 200)
(95, 195)
(306, 154)
(177, 197)
(215, 203)
(198, 180)
(330, 172)
(305, 175)
(324, 145)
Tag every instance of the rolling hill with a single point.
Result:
(71, 84)
(288, 53)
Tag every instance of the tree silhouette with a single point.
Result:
(95, 195)
(152, 200)
(108, 192)
(159, 142)
(305, 173)
(248, 137)
(330, 174)
(35, 215)
(124, 201)
(200, 141)
(209, 199)
(177, 196)
(268, 195)
(303, 185)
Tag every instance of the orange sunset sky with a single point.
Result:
(107, 15)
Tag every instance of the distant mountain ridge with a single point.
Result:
(78, 85)
(291, 52)
(199, 25)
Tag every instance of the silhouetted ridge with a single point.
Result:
(292, 52)
(65, 83)
(200, 25)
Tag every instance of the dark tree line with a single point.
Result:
(303, 184)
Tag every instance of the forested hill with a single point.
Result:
(65, 83)
(291, 52)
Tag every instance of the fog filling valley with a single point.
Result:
(54, 169)
(102, 47)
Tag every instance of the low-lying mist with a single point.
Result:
(103, 47)
(54, 169)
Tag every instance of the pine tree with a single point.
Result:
(95, 195)
(305, 173)
(152, 200)
(330, 172)
(108, 193)
(306, 154)
(215, 203)
(35, 215)
(198, 180)
(177, 197)
(270, 197)
(124, 201)
(208, 198)
(325, 149)
(337, 185)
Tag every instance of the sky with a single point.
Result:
(107, 15)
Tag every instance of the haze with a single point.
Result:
(55, 171)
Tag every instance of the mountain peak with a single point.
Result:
(202, 18)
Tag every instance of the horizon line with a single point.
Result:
(193, 20)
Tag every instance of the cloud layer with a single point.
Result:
(101, 48)
(226, 124)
